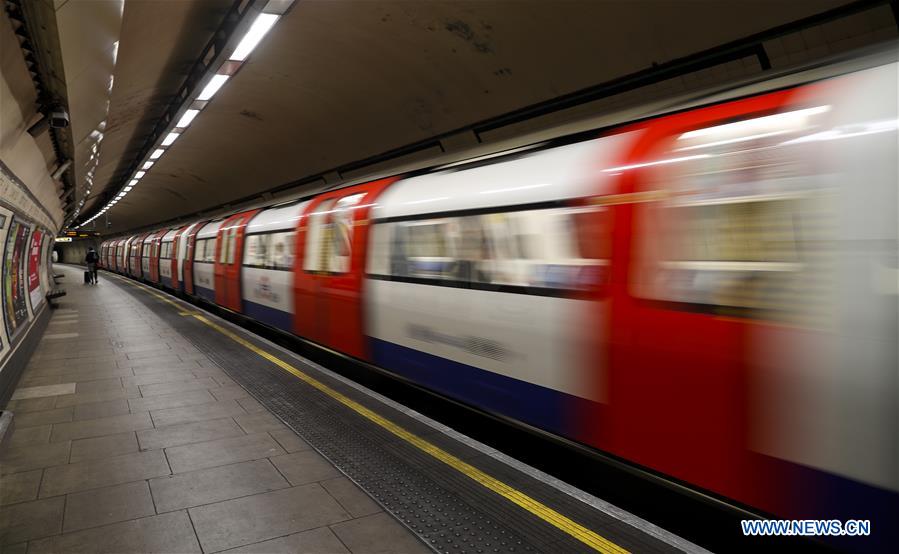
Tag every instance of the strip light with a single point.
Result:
(260, 27)
(257, 31)
(212, 87)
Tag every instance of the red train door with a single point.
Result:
(189, 257)
(678, 376)
(137, 249)
(228, 260)
(176, 240)
(331, 247)
(155, 245)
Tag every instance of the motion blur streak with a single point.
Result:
(711, 293)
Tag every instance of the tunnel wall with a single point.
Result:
(75, 252)
(30, 214)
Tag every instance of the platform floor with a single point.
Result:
(129, 439)
(144, 424)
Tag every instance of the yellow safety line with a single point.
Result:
(547, 514)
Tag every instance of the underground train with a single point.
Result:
(709, 293)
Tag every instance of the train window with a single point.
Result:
(279, 254)
(254, 250)
(318, 238)
(532, 248)
(270, 250)
(199, 250)
(742, 230)
(226, 254)
(330, 235)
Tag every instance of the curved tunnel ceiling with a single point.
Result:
(335, 82)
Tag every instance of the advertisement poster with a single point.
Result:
(15, 308)
(34, 271)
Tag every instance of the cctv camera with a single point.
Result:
(59, 119)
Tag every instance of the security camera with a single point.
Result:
(59, 119)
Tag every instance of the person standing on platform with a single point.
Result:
(92, 260)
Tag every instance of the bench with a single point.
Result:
(55, 293)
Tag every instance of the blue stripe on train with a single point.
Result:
(533, 404)
(203, 292)
(269, 316)
(824, 495)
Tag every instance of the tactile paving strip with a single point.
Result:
(447, 510)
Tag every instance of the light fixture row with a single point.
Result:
(260, 27)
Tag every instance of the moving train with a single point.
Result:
(709, 293)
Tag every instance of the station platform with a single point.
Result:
(144, 424)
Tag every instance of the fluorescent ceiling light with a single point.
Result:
(258, 29)
(214, 85)
(128, 188)
(156, 153)
(139, 174)
(188, 116)
(147, 166)
(132, 182)
(169, 139)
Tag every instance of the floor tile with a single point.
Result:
(379, 534)
(112, 383)
(103, 447)
(146, 367)
(201, 455)
(20, 548)
(175, 400)
(91, 474)
(48, 390)
(304, 467)
(264, 516)
(20, 487)
(173, 387)
(188, 433)
(206, 486)
(159, 377)
(289, 440)
(259, 422)
(107, 505)
(26, 405)
(94, 397)
(31, 520)
(33, 456)
(59, 336)
(187, 414)
(316, 541)
(30, 435)
(99, 427)
(44, 417)
(101, 410)
(225, 393)
(351, 497)
(166, 533)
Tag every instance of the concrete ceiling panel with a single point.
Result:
(335, 82)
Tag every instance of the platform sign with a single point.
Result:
(15, 307)
(63, 239)
(34, 268)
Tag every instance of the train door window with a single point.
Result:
(426, 248)
(226, 254)
(279, 254)
(343, 220)
(741, 231)
(318, 239)
(254, 250)
(199, 250)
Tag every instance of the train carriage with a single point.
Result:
(166, 261)
(267, 273)
(706, 294)
(203, 261)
